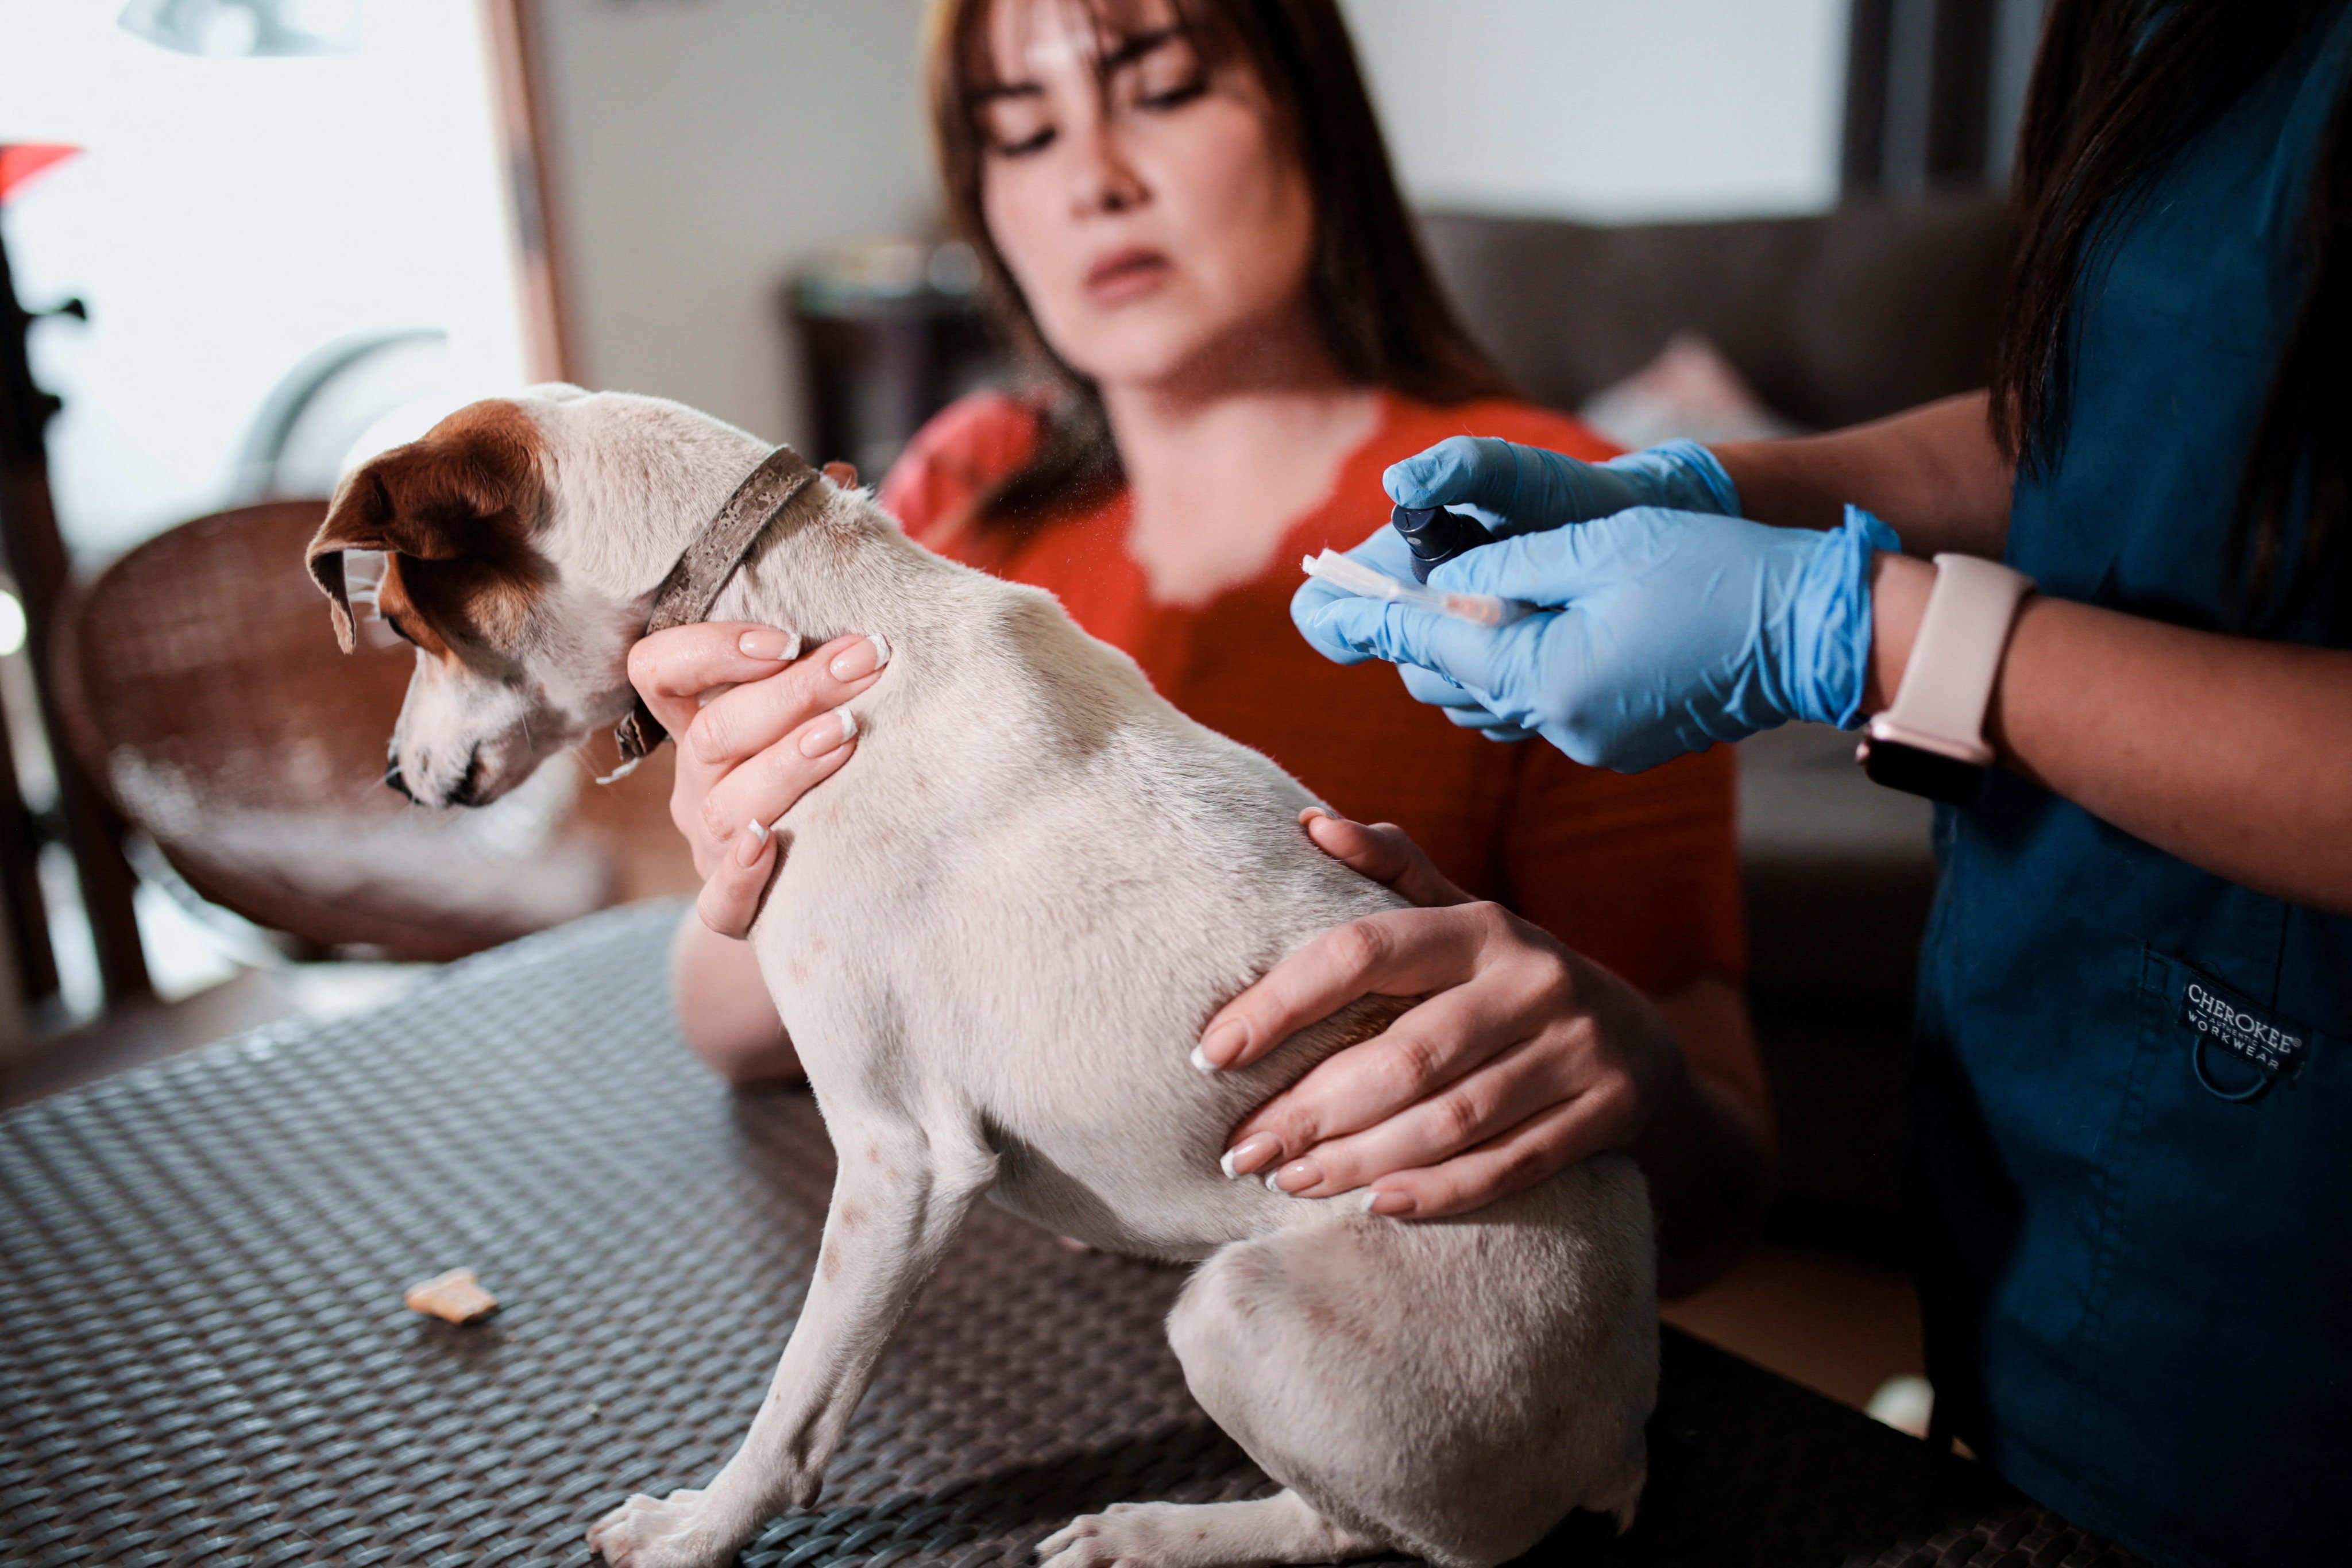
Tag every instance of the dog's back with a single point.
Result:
(1047, 879)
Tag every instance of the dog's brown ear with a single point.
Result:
(472, 486)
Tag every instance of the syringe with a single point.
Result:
(1350, 575)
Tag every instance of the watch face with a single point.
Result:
(1915, 771)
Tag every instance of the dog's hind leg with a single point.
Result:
(1448, 1389)
(1279, 1529)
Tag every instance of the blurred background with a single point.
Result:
(250, 239)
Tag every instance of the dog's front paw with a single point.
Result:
(660, 1532)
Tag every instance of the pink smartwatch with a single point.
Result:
(1931, 741)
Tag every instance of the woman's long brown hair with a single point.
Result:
(2119, 87)
(1377, 300)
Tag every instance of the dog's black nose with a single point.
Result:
(391, 777)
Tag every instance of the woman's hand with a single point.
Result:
(757, 726)
(1521, 1059)
(1657, 633)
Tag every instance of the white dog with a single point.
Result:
(995, 940)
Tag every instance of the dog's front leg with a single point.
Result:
(899, 1196)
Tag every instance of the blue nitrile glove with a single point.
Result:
(1657, 632)
(1513, 488)
(1387, 550)
(1524, 489)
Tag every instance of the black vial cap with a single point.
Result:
(1435, 535)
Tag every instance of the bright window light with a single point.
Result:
(228, 218)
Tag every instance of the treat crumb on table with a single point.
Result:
(456, 1297)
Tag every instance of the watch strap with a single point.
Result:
(1948, 681)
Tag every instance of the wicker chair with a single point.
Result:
(201, 688)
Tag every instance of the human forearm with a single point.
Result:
(2232, 753)
(724, 1010)
(1932, 472)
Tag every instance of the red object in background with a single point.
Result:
(19, 161)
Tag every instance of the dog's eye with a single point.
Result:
(398, 630)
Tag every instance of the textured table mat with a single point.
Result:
(203, 1357)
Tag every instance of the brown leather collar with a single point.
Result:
(781, 491)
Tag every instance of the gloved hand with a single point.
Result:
(1515, 489)
(1386, 550)
(1657, 632)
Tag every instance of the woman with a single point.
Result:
(1188, 215)
(2132, 1138)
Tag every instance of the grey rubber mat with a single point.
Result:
(205, 1360)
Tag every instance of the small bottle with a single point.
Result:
(1435, 535)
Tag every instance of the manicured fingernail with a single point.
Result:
(817, 743)
(1220, 1045)
(751, 843)
(1395, 1206)
(1244, 1157)
(1296, 1177)
(766, 642)
(861, 658)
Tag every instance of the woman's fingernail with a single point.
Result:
(817, 743)
(1244, 1157)
(766, 642)
(1395, 1206)
(1296, 1177)
(859, 659)
(1220, 1045)
(751, 843)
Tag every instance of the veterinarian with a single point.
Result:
(1192, 228)
(2132, 1132)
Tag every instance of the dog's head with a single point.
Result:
(513, 662)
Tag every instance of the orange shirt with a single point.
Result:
(1640, 872)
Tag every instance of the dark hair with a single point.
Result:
(2118, 88)
(1377, 300)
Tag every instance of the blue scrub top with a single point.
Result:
(2132, 1141)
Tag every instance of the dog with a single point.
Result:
(993, 939)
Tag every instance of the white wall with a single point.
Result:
(704, 146)
(1611, 110)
